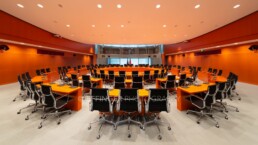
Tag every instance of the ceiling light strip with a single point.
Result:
(40, 46)
(215, 47)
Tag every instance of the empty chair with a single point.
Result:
(28, 76)
(122, 73)
(210, 70)
(119, 82)
(170, 85)
(171, 78)
(203, 102)
(28, 94)
(199, 68)
(102, 75)
(182, 80)
(79, 67)
(220, 96)
(111, 77)
(85, 77)
(137, 83)
(43, 71)
(220, 72)
(38, 72)
(192, 79)
(74, 77)
(157, 102)
(24, 78)
(101, 102)
(146, 77)
(48, 70)
(55, 101)
(156, 74)
(135, 73)
(214, 71)
(128, 102)
(22, 93)
(75, 83)
(87, 85)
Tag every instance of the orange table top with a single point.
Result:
(196, 89)
(66, 89)
(38, 79)
(142, 93)
(92, 79)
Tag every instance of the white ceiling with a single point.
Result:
(143, 22)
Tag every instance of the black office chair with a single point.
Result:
(182, 80)
(28, 76)
(43, 71)
(220, 72)
(119, 82)
(55, 101)
(135, 73)
(103, 76)
(146, 77)
(28, 94)
(100, 101)
(170, 85)
(157, 102)
(155, 75)
(214, 71)
(229, 92)
(85, 77)
(128, 102)
(199, 68)
(204, 102)
(38, 72)
(22, 93)
(210, 70)
(137, 83)
(111, 77)
(74, 77)
(75, 83)
(24, 78)
(220, 96)
(48, 70)
(192, 79)
(122, 74)
(170, 78)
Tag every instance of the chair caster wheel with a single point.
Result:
(70, 113)
(40, 126)
(187, 112)
(217, 125)
(226, 111)
(24, 100)
(59, 122)
(237, 110)
(98, 137)
(19, 112)
(14, 100)
(129, 136)
(198, 122)
(226, 117)
(169, 128)
(160, 137)
(43, 117)
(89, 127)
(27, 118)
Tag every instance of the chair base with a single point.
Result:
(204, 114)
(157, 122)
(101, 121)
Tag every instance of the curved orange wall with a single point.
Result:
(20, 59)
(238, 59)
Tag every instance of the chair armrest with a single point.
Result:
(198, 97)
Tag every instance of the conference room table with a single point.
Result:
(143, 96)
(46, 78)
(164, 80)
(74, 92)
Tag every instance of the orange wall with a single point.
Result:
(20, 59)
(238, 59)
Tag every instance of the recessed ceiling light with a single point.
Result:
(108, 25)
(164, 26)
(119, 6)
(20, 5)
(236, 6)
(40, 5)
(197, 6)
(122, 26)
(158, 6)
(99, 6)
(67, 25)
(93, 26)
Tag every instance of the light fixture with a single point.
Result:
(235, 43)
(20, 5)
(158, 6)
(67, 25)
(236, 6)
(93, 26)
(99, 6)
(197, 6)
(164, 26)
(40, 5)
(108, 25)
(119, 6)
(122, 26)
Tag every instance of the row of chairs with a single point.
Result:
(213, 99)
(130, 105)
(42, 71)
(21, 79)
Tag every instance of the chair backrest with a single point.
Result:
(171, 77)
(75, 83)
(135, 73)
(85, 77)
(48, 69)
(48, 96)
(128, 101)
(221, 90)
(156, 71)
(170, 84)
(210, 70)
(86, 84)
(28, 76)
(24, 78)
(43, 70)
(120, 79)
(100, 100)
(119, 85)
(122, 73)
(147, 72)
(182, 76)
(214, 71)
(22, 87)
(199, 68)
(220, 72)
(74, 77)
(210, 95)
(137, 79)
(36, 95)
(157, 100)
